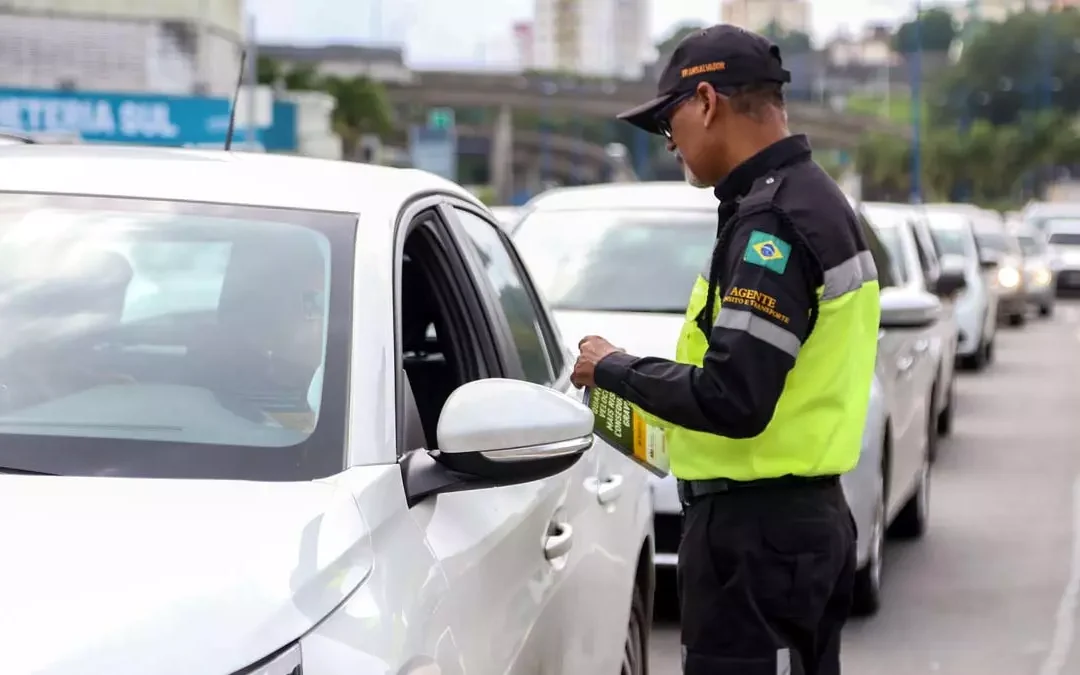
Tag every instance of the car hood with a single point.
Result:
(640, 333)
(125, 576)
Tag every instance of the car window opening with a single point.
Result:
(436, 353)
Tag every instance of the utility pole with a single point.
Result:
(252, 77)
(916, 109)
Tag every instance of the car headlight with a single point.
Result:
(288, 661)
(1042, 276)
(1008, 277)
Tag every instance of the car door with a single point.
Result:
(895, 362)
(573, 631)
(480, 573)
(944, 334)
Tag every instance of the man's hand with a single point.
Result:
(593, 348)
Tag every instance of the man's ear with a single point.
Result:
(710, 102)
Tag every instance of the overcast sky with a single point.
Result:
(473, 32)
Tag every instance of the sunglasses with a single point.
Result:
(664, 115)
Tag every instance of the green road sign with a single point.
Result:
(440, 118)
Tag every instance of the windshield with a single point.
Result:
(894, 245)
(165, 339)
(1030, 246)
(1065, 238)
(950, 241)
(993, 241)
(627, 261)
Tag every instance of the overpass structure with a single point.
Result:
(568, 159)
(593, 98)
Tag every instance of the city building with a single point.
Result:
(786, 15)
(382, 64)
(524, 45)
(873, 47)
(164, 46)
(606, 38)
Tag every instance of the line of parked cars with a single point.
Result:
(618, 260)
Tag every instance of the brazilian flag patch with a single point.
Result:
(768, 251)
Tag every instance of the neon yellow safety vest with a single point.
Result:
(818, 424)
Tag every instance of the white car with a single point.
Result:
(1063, 237)
(920, 271)
(977, 305)
(274, 415)
(506, 216)
(619, 261)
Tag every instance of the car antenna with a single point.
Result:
(235, 99)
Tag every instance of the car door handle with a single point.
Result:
(903, 364)
(609, 489)
(560, 537)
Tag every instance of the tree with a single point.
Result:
(303, 78)
(362, 108)
(678, 33)
(1027, 63)
(789, 42)
(990, 161)
(268, 71)
(361, 105)
(937, 30)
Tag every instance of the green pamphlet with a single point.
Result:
(623, 428)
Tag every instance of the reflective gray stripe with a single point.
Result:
(762, 329)
(849, 275)
(783, 661)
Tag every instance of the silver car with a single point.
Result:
(976, 307)
(358, 453)
(1039, 276)
(620, 260)
(1000, 251)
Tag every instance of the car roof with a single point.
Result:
(658, 195)
(983, 220)
(1051, 209)
(216, 176)
(1066, 225)
(884, 214)
(946, 219)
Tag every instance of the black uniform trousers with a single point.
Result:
(766, 573)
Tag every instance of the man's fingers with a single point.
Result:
(588, 338)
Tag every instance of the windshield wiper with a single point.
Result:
(24, 472)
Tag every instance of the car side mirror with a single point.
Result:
(988, 260)
(496, 432)
(903, 309)
(952, 278)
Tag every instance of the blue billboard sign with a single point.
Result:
(143, 119)
(434, 150)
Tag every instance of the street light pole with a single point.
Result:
(916, 108)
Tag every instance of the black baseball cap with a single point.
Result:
(723, 55)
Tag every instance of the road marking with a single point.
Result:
(1065, 620)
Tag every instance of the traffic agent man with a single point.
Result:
(765, 403)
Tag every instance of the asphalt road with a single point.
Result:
(994, 587)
